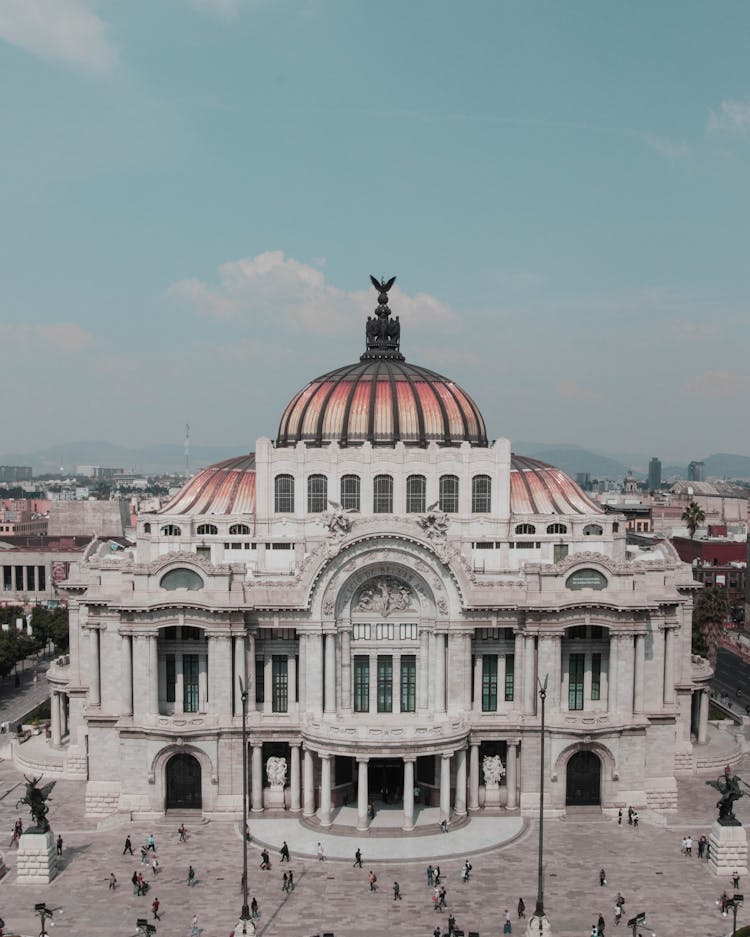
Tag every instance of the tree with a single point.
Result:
(710, 614)
(693, 516)
(51, 625)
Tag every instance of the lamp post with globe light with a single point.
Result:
(538, 925)
(245, 925)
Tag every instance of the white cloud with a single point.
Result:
(65, 31)
(669, 149)
(732, 117)
(297, 295)
(62, 336)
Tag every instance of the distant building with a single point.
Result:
(98, 471)
(629, 485)
(695, 472)
(23, 516)
(584, 480)
(654, 474)
(15, 473)
(718, 560)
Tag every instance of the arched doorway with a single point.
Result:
(583, 780)
(183, 783)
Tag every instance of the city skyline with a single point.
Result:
(196, 193)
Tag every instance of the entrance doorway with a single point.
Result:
(584, 780)
(183, 779)
(385, 779)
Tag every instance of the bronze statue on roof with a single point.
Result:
(383, 334)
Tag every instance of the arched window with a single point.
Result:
(350, 492)
(317, 494)
(557, 529)
(449, 494)
(382, 494)
(525, 529)
(615, 527)
(593, 530)
(239, 529)
(147, 528)
(283, 494)
(181, 579)
(481, 494)
(204, 529)
(416, 494)
(171, 530)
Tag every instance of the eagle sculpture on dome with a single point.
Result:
(381, 286)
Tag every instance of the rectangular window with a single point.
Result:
(408, 683)
(596, 676)
(361, 684)
(42, 578)
(576, 664)
(190, 691)
(559, 552)
(448, 491)
(385, 684)
(489, 683)
(171, 678)
(510, 677)
(382, 494)
(317, 494)
(350, 492)
(416, 494)
(279, 684)
(260, 696)
(31, 578)
(481, 494)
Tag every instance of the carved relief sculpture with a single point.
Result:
(493, 769)
(384, 595)
(276, 772)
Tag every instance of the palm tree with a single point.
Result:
(710, 614)
(693, 516)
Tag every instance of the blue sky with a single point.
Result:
(193, 195)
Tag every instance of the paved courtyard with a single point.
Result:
(645, 865)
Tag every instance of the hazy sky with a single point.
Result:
(193, 195)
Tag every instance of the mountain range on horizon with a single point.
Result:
(170, 458)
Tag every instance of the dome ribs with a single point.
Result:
(338, 378)
(421, 438)
(371, 405)
(533, 481)
(394, 401)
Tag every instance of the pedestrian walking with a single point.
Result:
(285, 883)
(144, 855)
(619, 817)
(372, 880)
(436, 875)
(630, 816)
(150, 843)
(59, 844)
(291, 880)
(636, 818)
(466, 871)
(141, 890)
(182, 833)
(521, 908)
(396, 891)
(430, 874)
(702, 846)
(191, 876)
(436, 932)
(444, 825)
(688, 845)
(602, 877)
(735, 880)
(254, 912)
(357, 859)
(155, 909)
(708, 850)
(451, 925)
(265, 860)
(134, 880)
(443, 897)
(195, 931)
(593, 930)
(600, 926)
(618, 914)
(321, 853)
(436, 897)
(507, 926)
(155, 866)
(128, 846)
(284, 852)
(112, 881)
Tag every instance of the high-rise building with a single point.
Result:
(15, 473)
(654, 474)
(695, 472)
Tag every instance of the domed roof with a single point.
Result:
(381, 399)
(227, 487)
(539, 488)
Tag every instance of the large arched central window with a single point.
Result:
(382, 494)
(416, 494)
(283, 494)
(449, 494)
(317, 494)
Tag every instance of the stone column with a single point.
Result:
(409, 793)
(362, 794)
(445, 787)
(325, 789)
(140, 675)
(257, 782)
(291, 676)
(346, 670)
(640, 663)
(459, 803)
(550, 651)
(439, 638)
(703, 718)
(308, 794)
(203, 684)
(669, 637)
(474, 776)
(219, 674)
(511, 775)
(95, 692)
(64, 704)
(373, 686)
(55, 718)
(478, 683)
(314, 673)
(330, 672)
(126, 668)
(239, 674)
(153, 675)
(268, 683)
(302, 672)
(294, 791)
(250, 671)
(612, 666)
(423, 669)
(179, 683)
(625, 663)
(529, 676)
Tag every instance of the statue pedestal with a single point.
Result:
(245, 928)
(538, 926)
(494, 795)
(37, 859)
(728, 849)
(273, 796)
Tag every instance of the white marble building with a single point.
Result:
(390, 585)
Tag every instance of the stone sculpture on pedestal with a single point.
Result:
(728, 839)
(494, 772)
(276, 774)
(37, 858)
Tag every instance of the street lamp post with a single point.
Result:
(44, 912)
(734, 902)
(538, 923)
(245, 913)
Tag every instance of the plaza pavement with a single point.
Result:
(645, 865)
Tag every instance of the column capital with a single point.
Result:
(256, 744)
(409, 759)
(446, 756)
(363, 759)
(325, 756)
(297, 744)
